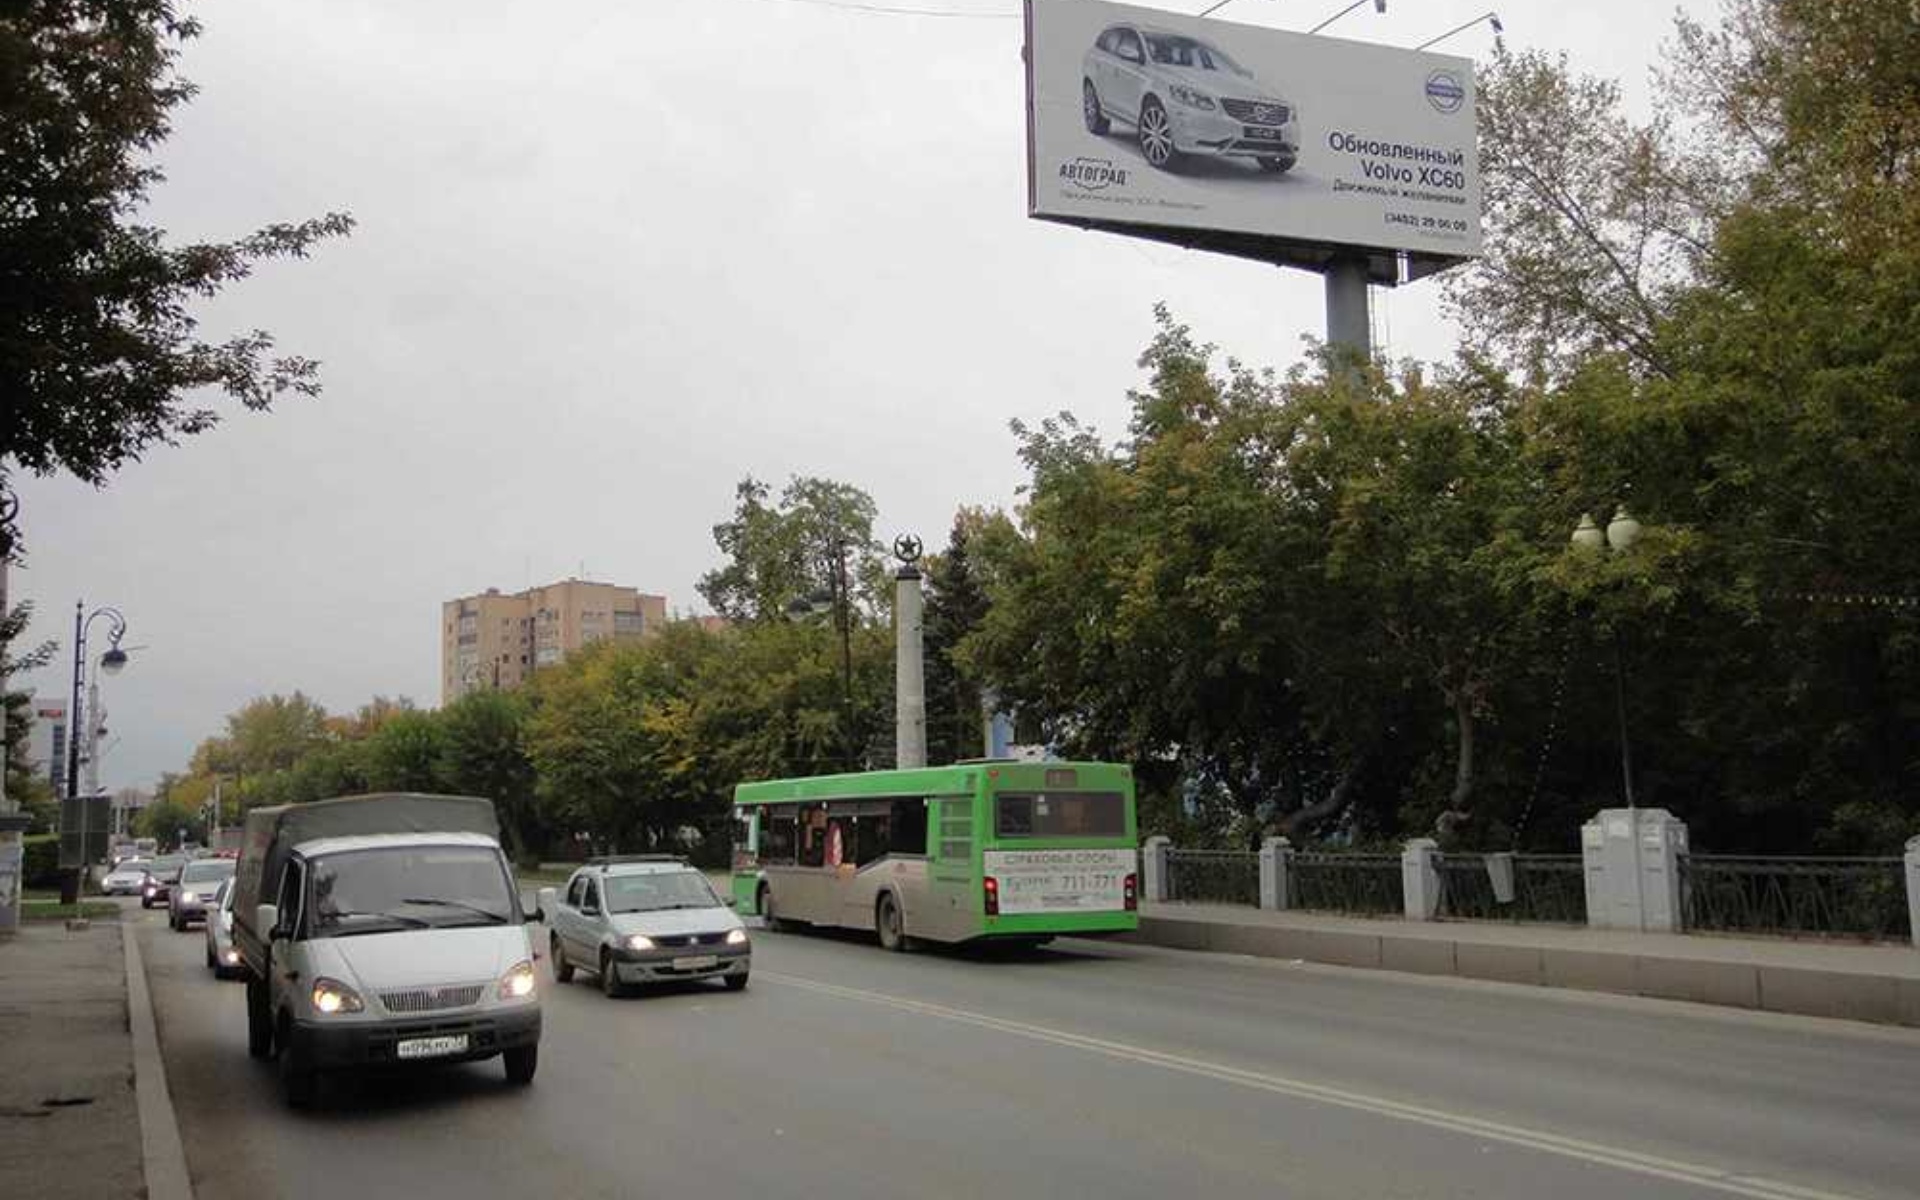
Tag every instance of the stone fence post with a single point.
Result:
(1420, 878)
(1913, 888)
(1276, 854)
(1153, 865)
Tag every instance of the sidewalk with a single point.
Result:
(68, 1122)
(1878, 983)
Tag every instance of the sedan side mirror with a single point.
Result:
(546, 900)
(730, 901)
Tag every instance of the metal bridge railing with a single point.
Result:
(1214, 876)
(1345, 883)
(1548, 888)
(1862, 898)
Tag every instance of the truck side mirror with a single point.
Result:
(266, 922)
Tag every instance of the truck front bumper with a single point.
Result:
(326, 1047)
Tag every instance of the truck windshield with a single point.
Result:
(409, 887)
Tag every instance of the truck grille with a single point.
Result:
(1256, 112)
(432, 999)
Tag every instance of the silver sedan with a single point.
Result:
(223, 957)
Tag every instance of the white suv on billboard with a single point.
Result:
(1184, 97)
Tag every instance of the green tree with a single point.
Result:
(776, 554)
(483, 753)
(24, 786)
(406, 754)
(100, 352)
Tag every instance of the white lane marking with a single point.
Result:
(1717, 1178)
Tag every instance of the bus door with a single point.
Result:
(954, 908)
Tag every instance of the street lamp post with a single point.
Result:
(838, 600)
(83, 722)
(1619, 536)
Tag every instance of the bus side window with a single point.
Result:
(777, 837)
(813, 838)
(870, 837)
(907, 832)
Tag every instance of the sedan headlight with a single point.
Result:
(330, 996)
(517, 984)
(230, 957)
(736, 937)
(639, 941)
(189, 897)
(1192, 98)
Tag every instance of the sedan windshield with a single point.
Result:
(207, 872)
(409, 887)
(658, 890)
(166, 868)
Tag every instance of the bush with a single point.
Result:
(40, 867)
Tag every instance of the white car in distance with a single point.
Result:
(1185, 98)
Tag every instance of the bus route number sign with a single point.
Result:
(1060, 881)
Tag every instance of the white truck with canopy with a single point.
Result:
(383, 930)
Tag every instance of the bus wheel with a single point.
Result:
(888, 923)
(767, 915)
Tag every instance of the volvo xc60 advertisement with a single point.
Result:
(1143, 117)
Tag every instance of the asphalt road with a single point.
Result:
(1088, 1070)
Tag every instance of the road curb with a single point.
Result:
(163, 1157)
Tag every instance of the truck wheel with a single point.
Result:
(562, 969)
(767, 916)
(297, 1080)
(609, 978)
(259, 1022)
(521, 1062)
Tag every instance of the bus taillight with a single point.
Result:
(1132, 892)
(990, 888)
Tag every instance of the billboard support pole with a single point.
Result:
(1349, 333)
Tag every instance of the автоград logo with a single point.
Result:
(1444, 91)
(1093, 174)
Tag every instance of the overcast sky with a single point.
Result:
(611, 258)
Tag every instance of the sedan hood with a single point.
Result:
(1221, 83)
(422, 957)
(676, 921)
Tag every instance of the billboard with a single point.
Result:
(1262, 143)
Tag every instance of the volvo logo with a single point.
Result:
(1444, 91)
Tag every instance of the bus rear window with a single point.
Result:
(1060, 814)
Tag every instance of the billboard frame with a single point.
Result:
(1385, 266)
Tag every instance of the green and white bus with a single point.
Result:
(995, 850)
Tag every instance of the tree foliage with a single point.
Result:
(101, 355)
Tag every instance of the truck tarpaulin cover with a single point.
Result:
(273, 832)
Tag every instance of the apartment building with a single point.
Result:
(498, 640)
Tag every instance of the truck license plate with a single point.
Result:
(698, 962)
(431, 1047)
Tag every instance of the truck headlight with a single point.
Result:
(736, 937)
(1192, 98)
(639, 941)
(517, 984)
(330, 996)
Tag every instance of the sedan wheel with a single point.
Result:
(1090, 109)
(562, 969)
(1156, 135)
(610, 978)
